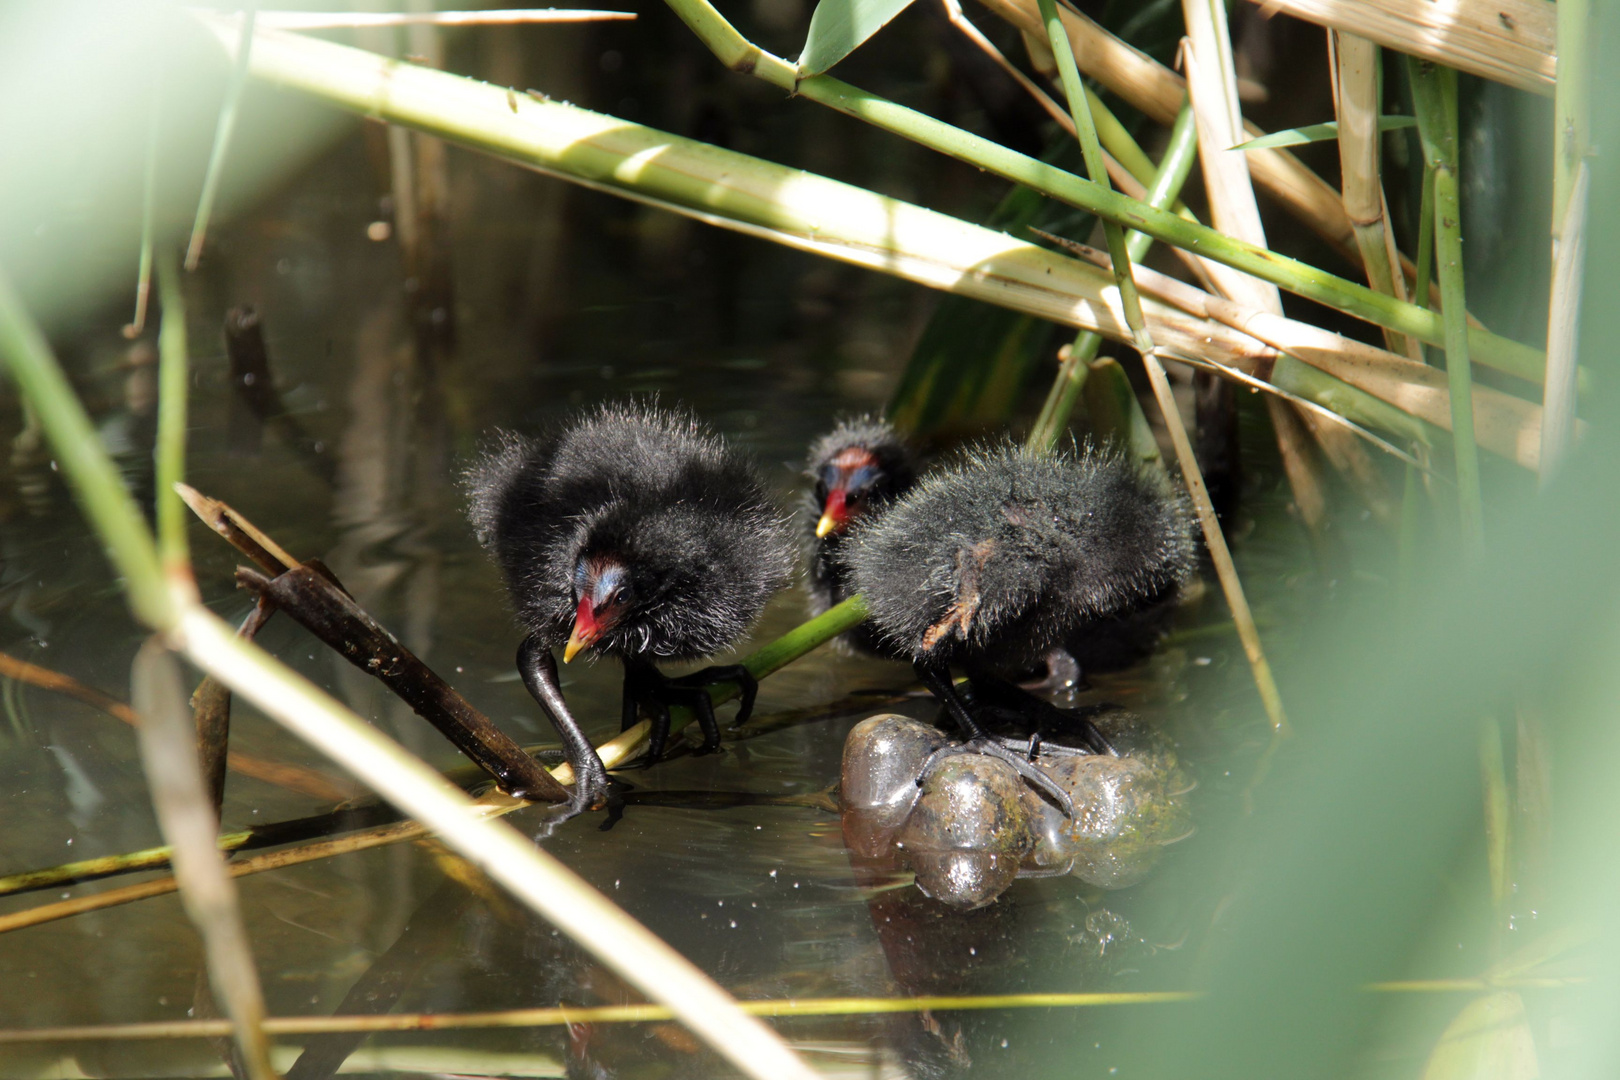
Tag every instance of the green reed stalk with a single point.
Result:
(1163, 190)
(174, 379)
(1434, 93)
(1291, 274)
(1091, 150)
(228, 110)
(1425, 252)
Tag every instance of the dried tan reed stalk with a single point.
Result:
(1510, 41)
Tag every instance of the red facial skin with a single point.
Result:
(837, 512)
(599, 607)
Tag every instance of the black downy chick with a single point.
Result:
(991, 564)
(632, 532)
(856, 470)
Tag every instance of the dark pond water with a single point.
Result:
(557, 299)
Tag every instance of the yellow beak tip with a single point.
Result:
(572, 649)
(825, 526)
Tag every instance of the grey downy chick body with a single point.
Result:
(855, 471)
(992, 563)
(631, 532)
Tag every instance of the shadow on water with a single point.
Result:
(538, 299)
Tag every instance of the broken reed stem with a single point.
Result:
(46, 679)
(228, 109)
(239, 532)
(1434, 94)
(187, 816)
(143, 275)
(364, 815)
(604, 1014)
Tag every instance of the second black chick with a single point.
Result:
(856, 470)
(635, 533)
(993, 563)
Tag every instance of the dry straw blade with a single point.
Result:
(1356, 93)
(1509, 41)
(368, 20)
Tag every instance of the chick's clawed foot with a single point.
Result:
(1017, 757)
(646, 686)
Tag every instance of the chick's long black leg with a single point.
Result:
(747, 685)
(539, 671)
(660, 692)
(937, 677)
(645, 683)
(1031, 708)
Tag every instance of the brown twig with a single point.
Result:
(255, 386)
(326, 611)
(238, 531)
(211, 713)
(313, 596)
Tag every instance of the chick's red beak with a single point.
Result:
(586, 629)
(835, 515)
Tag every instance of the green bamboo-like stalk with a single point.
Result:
(1572, 109)
(1091, 150)
(1434, 94)
(1163, 189)
(88, 470)
(1291, 274)
(174, 378)
(726, 189)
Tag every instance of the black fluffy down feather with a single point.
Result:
(689, 518)
(827, 582)
(997, 560)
